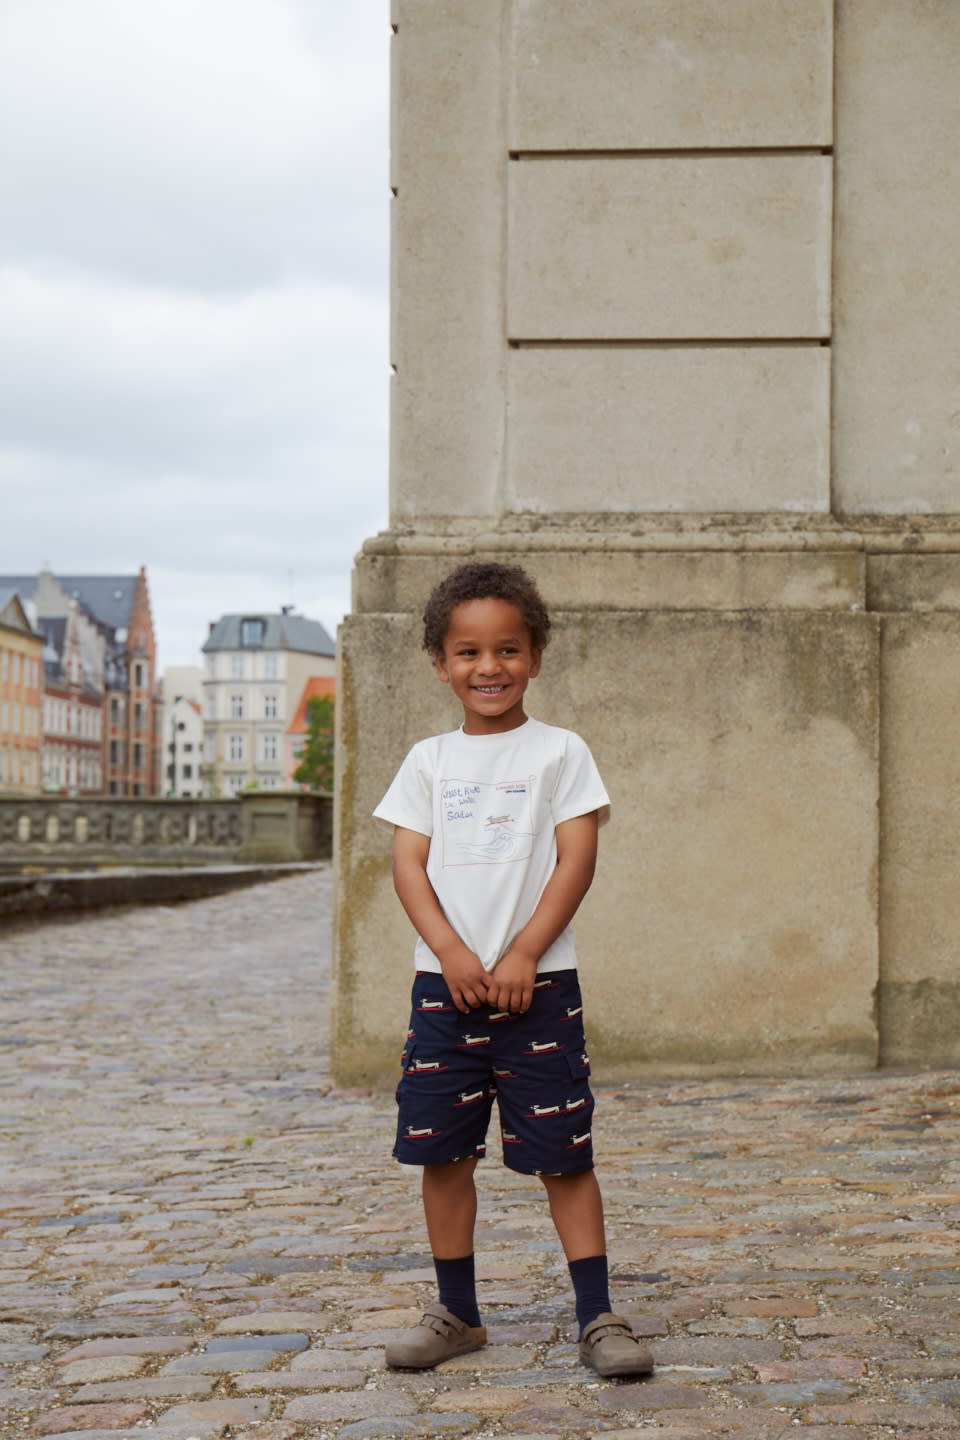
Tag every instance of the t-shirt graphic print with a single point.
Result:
(490, 805)
(486, 824)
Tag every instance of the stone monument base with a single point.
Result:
(772, 703)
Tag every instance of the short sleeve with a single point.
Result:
(579, 789)
(409, 800)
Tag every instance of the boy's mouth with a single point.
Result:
(489, 689)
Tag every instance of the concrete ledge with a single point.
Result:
(46, 896)
(640, 579)
(527, 534)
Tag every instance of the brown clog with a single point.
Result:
(611, 1348)
(439, 1336)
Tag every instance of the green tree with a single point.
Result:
(316, 759)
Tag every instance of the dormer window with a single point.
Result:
(251, 632)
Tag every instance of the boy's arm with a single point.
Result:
(461, 968)
(511, 981)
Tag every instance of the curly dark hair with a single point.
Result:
(484, 580)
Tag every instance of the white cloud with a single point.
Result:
(193, 309)
(217, 144)
(145, 374)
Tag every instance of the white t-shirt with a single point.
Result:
(491, 805)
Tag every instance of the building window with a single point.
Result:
(137, 759)
(115, 711)
(116, 755)
(188, 747)
(269, 667)
(139, 674)
(270, 747)
(270, 707)
(237, 748)
(236, 707)
(210, 747)
(234, 784)
(251, 632)
(188, 772)
(138, 716)
(211, 704)
(236, 666)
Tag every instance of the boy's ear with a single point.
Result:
(535, 659)
(440, 665)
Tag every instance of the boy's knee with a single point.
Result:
(452, 1169)
(567, 1180)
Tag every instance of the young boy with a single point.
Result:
(494, 847)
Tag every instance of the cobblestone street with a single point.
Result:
(201, 1237)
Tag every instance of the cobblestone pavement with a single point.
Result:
(200, 1237)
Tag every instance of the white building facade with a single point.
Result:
(255, 669)
(182, 732)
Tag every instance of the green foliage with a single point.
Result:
(316, 760)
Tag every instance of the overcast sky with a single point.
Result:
(193, 298)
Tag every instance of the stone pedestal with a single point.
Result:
(672, 293)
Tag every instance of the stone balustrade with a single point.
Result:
(53, 831)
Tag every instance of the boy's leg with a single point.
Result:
(577, 1209)
(606, 1341)
(451, 1326)
(450, 1209)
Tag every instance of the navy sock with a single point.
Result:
(458, 1288)
(591, 1284)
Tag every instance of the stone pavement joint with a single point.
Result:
(202, 1237)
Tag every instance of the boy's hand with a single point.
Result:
(466, 979)
(511, 982)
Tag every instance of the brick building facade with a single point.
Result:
(21, 676)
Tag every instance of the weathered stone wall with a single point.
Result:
(673, 293)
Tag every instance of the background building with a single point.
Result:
(72, 747)
(21, 690)
(256, 668)
(182, 731)
(117, 651)
(675, 297)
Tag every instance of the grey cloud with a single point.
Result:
(214, 146)
(193, 352)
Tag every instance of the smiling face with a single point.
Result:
(488, 662)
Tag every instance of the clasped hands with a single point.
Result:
(509, 986)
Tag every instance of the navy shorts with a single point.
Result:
(535, 1066)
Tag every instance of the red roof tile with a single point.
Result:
(316, 686)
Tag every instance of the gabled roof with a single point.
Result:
(108, 598)
(280, 632)
(22, 585)
(316, 686)
(13, 616)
